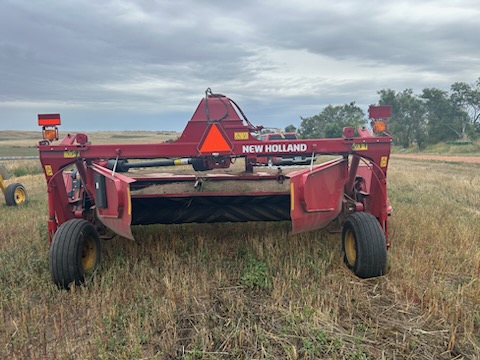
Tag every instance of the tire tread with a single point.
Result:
(10, 194)
(65, 250)
(370, 242)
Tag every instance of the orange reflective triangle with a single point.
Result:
(215, 141)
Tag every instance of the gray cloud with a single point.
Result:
(152, 60)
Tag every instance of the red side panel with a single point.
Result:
(316, 196)
(118, 215)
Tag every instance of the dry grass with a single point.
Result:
(24, 143)
(252, 291)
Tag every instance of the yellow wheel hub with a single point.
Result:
(20, 195)
(350, 248)
(89, 255)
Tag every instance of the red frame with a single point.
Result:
(355, 182)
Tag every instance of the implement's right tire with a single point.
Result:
(74, 253)
(364, 245)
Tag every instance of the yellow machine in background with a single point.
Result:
(15, 194)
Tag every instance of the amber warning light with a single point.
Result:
(379, 114)
(49, 123)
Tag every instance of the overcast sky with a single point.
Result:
(145, 64)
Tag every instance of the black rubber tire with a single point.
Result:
(15, 194)
(364, 246)
(74, 253)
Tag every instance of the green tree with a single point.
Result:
(467, 97)
(408, 122)
(290, 128)
(331, 121)
(444, 118)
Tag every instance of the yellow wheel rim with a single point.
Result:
(350, 249)
(89, 255)
(20, 195)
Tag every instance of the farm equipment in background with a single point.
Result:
(15, 194)
(95, 190)
(285, 160)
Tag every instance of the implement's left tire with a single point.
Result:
(364, 245)
(74, 253)
(15, 194)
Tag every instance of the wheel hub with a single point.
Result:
(89, 255)
(20, 196)
(350, 248)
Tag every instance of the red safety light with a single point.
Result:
(380, 112)
(48, 119)
(49, 123)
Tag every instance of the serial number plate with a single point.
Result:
(359, 147)
(240, 135)
(68, 154)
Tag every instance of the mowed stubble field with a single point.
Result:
(253, 291)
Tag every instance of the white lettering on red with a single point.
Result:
(274, 148)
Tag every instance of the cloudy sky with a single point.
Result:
(145, 64)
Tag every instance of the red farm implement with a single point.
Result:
(96, 191)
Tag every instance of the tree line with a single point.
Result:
(430, 117)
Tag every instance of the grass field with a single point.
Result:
(451, 148)
(24, 143)
(252, 291)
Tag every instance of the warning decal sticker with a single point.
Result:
(215, 141)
